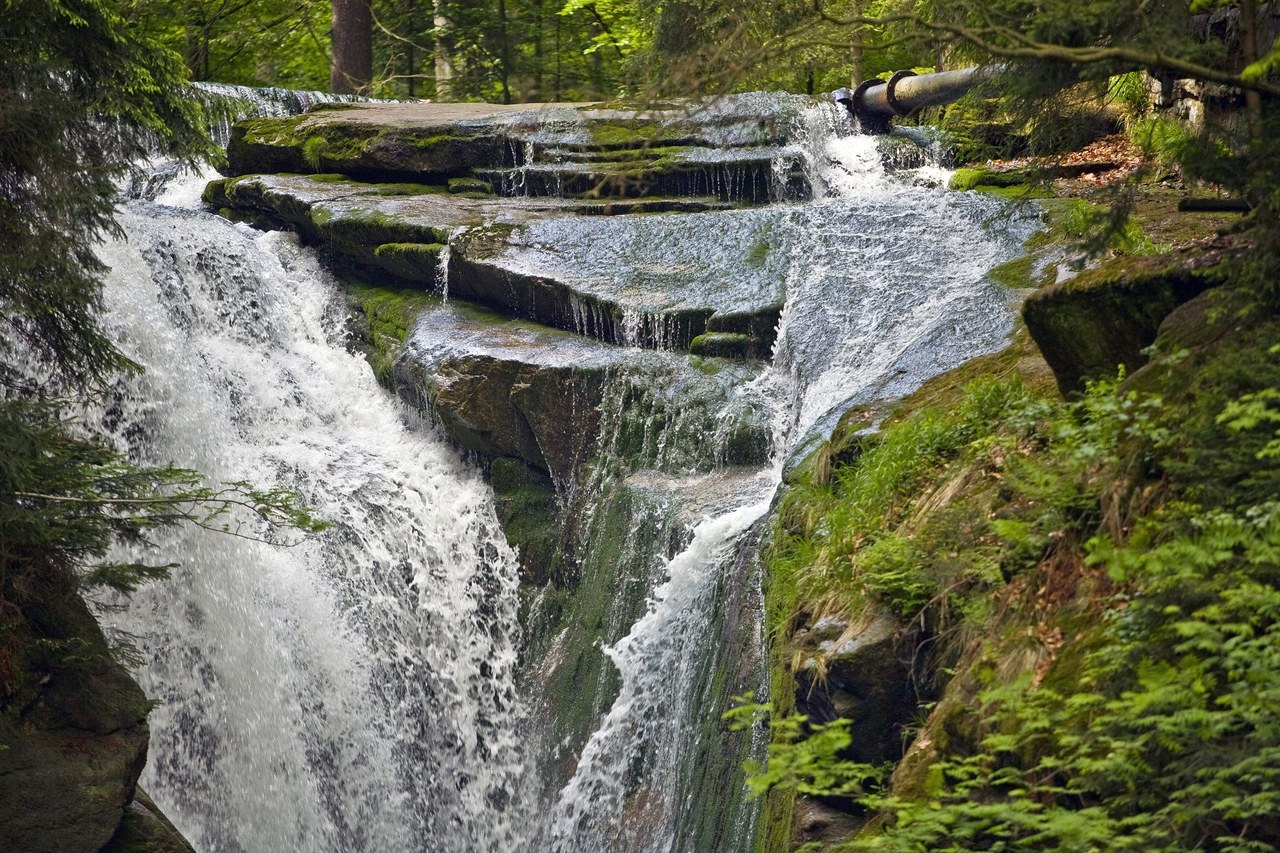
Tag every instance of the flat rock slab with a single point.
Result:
(510, 388)
(658, 282)
(728, 147)
(650, 281)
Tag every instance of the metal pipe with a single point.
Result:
(876, 102)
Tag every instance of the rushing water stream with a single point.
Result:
(360, 690)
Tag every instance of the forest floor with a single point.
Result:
(1102, 171)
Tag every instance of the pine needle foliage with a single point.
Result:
(83, 96)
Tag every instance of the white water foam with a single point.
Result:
(355, 691)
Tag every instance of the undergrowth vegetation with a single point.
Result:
(1098, 586)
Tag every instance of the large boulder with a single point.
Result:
(1090, 325)
(509, 388)
(73, 729)
(145, 829)
(859, 672)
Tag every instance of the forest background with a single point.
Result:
(513, 51)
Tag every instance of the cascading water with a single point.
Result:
(359, 691)
(886, 286)
(353, 692)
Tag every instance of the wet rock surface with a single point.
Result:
(725, 147)
(510, 388)
(542, 259)
(75, 737)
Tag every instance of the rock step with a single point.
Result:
(658, 149)
(745, 180)
(537, 259)
(507, 388)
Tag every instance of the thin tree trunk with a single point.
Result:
(1249, 55)
(443, 57)
(504, 51)
(352, 68)
(535, 81)
(409, 32)
(857, 59)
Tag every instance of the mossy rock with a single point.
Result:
(385, 318)
(1009, 183)
(722, 345)
(470, 185)
(1088, 326)
(73, 731)
(343, 141)
(416, 262)
(525, 500)
(145, 829)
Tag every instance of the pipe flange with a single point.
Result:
(891, 98)
(863, 87)
(868, 121)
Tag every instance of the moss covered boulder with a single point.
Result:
(73, 729)
(1105, 317)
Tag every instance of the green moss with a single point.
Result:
(632, 135)
(722, 345)
(361, 230)
(272, 131)
(470, 186)
(1016, 274)
(759, 253)
(314, 150)
(330, 178)
(418, 262)
(1012, 183)
(215, 193)
(388, 315)
(529, 512)
(428, 142)
(406, 189)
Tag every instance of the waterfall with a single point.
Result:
(886, 286)
(352, 692)
(360, 690)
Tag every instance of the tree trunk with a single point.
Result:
(443, 56)
(504, 52)
(352, 69)
(857, 59)
(535, 81)
(1249, 55)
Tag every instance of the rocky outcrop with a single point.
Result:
(1105, 317)
(727, 148)
(145, 829)
(73, 729)
(510, 388)
(533, 258)
(859, 672)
